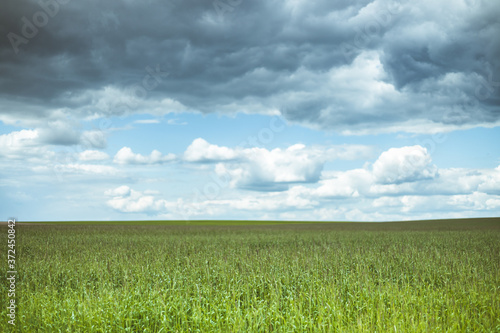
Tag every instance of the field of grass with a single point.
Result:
(422, 276)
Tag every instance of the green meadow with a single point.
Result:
(236, 276)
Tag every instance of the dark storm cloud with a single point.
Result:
(338, 65)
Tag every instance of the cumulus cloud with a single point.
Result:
(122, 191)
(402, 165)
(345, 184)
(24, 145)
(329, 201)
(37, 146)
(13, 142)
(490, 181)
(32, 143)
(127, 200)
(396, 186)
(127, 156)
(270, 170)
(134, 203)
(405, 171)
(202, 151)
(357, 195)
(265, 169)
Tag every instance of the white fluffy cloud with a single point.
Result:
(271, 170)
(37, 144)
(63, 132)
(405, 178)
(127, 156)
(24, 145)
(346, 184)
(355, 195)
(402, 165)
(136, 202)
(15, 143)
(122, 191)
(127, 200)
(263, 169)
(202, 151)
(491, 182)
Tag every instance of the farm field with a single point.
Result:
(236, 276)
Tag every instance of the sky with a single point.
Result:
(366, 110)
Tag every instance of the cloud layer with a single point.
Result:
(352, 67)
(401, 183)
(261, 169)
(127, 156)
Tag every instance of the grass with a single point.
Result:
(231, 276)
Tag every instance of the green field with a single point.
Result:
(234, 276)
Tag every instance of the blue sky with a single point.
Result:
(296, 110)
